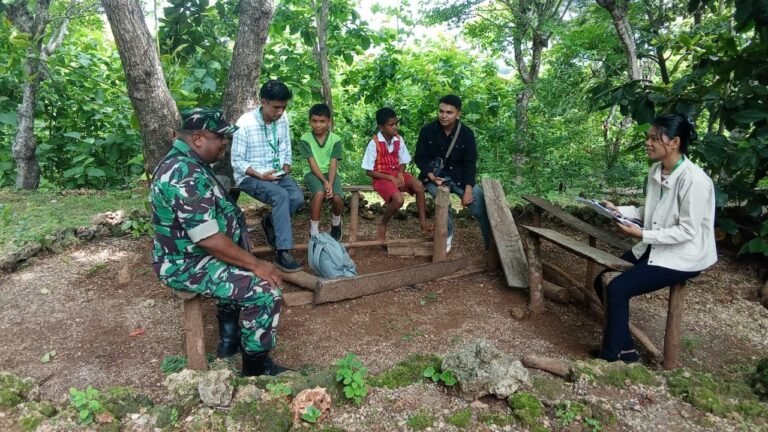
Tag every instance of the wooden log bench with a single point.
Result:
(594, 256)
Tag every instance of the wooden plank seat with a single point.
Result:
(506, 237)
(676, 294)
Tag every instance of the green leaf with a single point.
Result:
(750, 116)
(9, 118)
(728, 225)
(429, 371)
(348, 59)
(95, 172)
(756, 245)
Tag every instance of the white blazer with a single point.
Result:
(678, 218)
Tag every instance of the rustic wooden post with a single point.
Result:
(492, 257)
(674, 322)
(533, 244)
(442, 201)
(536, 217)
(193, 330)
(354, 209)
(590, 267)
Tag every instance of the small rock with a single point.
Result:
(477, 405)
(247, 393)
(483, 369)
(520, 313)
(149, 303)
(215, 388)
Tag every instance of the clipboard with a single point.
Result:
(605, 211)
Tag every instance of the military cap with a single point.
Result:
(209, 119)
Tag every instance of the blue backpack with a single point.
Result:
(328, 259)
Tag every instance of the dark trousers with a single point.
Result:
(640, 279)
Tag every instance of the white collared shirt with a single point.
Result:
(369, 159)
(251, 148)
(678, 218)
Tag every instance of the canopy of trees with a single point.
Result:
(559, 93)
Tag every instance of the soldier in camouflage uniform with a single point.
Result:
(201, 242)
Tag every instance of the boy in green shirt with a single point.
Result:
(322, 149)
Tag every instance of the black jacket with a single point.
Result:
(461, 165)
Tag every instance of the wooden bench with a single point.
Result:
(596, 256)
(193, 329)
(354, 220)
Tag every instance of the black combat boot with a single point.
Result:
(256, 364)
(229, 330)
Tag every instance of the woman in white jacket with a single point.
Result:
(677, 240)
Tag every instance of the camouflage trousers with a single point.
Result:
(236, 287)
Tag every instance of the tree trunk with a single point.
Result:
(149, 94)
(27, 168)
(321, 50)
(241, 95)
(624, 31)
(521, 116)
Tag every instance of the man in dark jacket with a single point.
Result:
(458, 169)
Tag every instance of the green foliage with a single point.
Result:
(120, 401)
(311, 414)
(716, 395)
(87, 403)
(593, 424)
(438, 375)
(173, 363)
(279, 389)
(407, 372)
(34, 413)
(272, 416)
(758, 380)
(351, 374)
(420, 421)
(85, 138)
(567, 412)
(138, 223)
(460, 418)
(526, 408)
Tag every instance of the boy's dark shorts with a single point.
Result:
(315, 185)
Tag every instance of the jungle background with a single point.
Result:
(559, 92)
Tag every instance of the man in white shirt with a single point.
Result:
(261, 160)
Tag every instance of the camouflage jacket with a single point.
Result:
(188, 205)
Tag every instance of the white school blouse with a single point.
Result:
(678, 218)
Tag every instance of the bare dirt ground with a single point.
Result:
(84, 303)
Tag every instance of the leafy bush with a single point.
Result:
(87, 404)
(758, 380)
(351, 374)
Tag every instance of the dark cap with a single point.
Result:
(209, 119)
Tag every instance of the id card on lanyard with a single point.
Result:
(274, 144)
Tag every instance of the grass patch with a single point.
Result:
(31, 216)
(407, 372)
(420, 421)
(618, 374)
(526, 408)
(495, 418)
(460, 418)
(716, 395)
(549, 388)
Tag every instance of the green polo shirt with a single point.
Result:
(309, 147)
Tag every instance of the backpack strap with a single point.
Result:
(453, 141)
